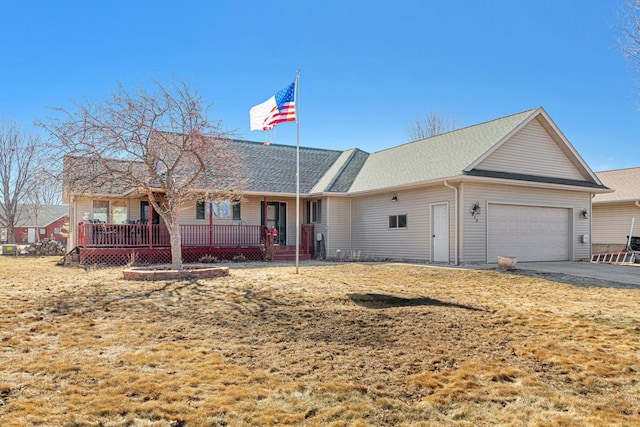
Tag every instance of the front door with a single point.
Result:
(440, 233)
(144, 213)
(276, 219)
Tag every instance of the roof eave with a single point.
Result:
(618, 201)
(547, 185)
(407, 186)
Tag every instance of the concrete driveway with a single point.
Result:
(625, 274)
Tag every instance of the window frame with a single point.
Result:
(398, 222)
(314, 211)
(117, 205)
(221, 209)
(201, 210)
(93, 209)
(236, 211)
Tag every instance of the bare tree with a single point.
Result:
(158, 142)
(45, 189)
(18, 159)
(629, 42)
(430, 125)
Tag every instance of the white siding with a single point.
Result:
(85, 206)
(250, 210)
(474, 247)
(337, 217)
(532, 151)
(611, 223)
(370, 223)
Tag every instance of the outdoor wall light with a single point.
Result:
(394, 198)
(475, 211)
(584, 214)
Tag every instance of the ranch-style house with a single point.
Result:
(513, 186)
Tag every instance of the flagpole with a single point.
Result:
(297, 104)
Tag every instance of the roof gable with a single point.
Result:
(342, 173)
(532, 150)
(435, 158)
(536, 148)
(502, 148)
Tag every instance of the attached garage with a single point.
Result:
(531, 233)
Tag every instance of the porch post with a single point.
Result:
(264, 215)
(210, 226)
(150, 224)
(264, 211)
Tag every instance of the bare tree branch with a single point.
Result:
(19, 157)
(159, 143)
(430, 125)
(629, 20)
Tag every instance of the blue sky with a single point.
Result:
(369, 68)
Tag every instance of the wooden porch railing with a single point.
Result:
(101, 235)
(122, 235)
(307, 239)
(221, 236)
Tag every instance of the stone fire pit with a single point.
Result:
(164, 272)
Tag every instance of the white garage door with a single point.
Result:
(528, 232)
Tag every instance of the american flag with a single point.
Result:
(279, 108)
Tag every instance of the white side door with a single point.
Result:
(440, 233)
(31, 235)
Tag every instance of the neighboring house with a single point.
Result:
(514, 186)
(614, 212)
(51, 223)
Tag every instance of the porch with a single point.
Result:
(138, 243)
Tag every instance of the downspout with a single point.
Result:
(455, 223)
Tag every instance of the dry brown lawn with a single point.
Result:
(336, 345)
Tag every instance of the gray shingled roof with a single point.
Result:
(349, 172)
(438, 157)
(86, 176)
(272, 168)
(47, 215)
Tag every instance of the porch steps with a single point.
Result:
(72, 257)
(288, 253)
(614, 257)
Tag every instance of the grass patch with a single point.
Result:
(353, 344)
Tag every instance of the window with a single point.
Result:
(200, 210)
(221, 209)
(101, 210)
(43, 231)
(397, 221)
(3, 234)
(118, 212)
(236, 211)
(56, 231)
(314, 211)
(114, 212)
